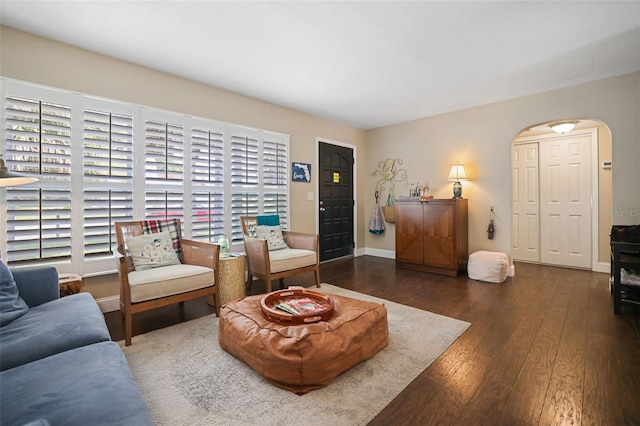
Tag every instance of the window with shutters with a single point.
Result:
(38, 143)
(108, 178)
(101, 161)
(207, 182)
(164, 168)
(275, 173)
(244, 178)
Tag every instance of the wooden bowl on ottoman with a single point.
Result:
(316, 306)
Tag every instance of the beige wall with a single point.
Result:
(605, 188)
(481, 138)
(62, 66)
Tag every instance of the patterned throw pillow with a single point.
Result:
(273, 235)
(170, 225)
(150, 251)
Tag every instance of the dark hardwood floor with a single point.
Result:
(543, 348)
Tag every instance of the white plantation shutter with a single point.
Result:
(276, 203)
(162, 205)
(275, 176)
(38, 142)
(244, 161)
(242, 204)
(245, 151)
(108, 178)
(207, 215)
(164, 166)
(207, 182)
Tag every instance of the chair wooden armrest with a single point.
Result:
(300, 240)
(200, 253)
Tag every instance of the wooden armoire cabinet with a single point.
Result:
(432, 235)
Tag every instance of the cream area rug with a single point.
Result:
(187, 379)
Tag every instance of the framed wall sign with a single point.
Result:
(301, 172)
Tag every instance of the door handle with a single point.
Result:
(321, 209)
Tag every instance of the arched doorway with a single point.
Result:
(561, 204)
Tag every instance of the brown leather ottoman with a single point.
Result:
(301, 358)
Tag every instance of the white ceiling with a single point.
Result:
(366, 64)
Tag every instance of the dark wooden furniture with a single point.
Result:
(625, 253)
(432, 235)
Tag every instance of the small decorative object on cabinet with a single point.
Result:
(432, 235)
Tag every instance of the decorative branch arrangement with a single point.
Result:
(390, 174)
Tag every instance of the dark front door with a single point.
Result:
(336, 201)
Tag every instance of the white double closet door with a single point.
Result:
(552, 196)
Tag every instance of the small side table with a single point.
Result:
(232, 282)
(69, 284)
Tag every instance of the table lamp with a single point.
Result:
(457, 174)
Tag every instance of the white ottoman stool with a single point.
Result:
(488, 266)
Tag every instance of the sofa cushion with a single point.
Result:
(51, 328)
(37, 284)
(287, 259)
(91, 385)
(169, 280)
(11, 304)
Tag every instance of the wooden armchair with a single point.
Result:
(196, 276)
(301, 255)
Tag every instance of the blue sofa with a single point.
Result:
(58, 364)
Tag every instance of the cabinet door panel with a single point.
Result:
(409, 230)
(439, 238)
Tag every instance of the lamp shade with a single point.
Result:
(457, 173)
(8, 178)
(563, 127)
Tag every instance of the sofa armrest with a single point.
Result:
(37, 284)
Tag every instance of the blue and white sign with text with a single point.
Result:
(301, 172)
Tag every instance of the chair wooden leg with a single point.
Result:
(216, 299)
(267, 281)
(317, 274)
(249, 281)
(128, 328)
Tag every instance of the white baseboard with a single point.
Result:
(109, 304)
(359, 252)
(603, 267)
(389, 254)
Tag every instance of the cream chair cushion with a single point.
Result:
(286, 259)
(168, 280)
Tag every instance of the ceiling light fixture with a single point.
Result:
(8, 178)
(563, 126)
